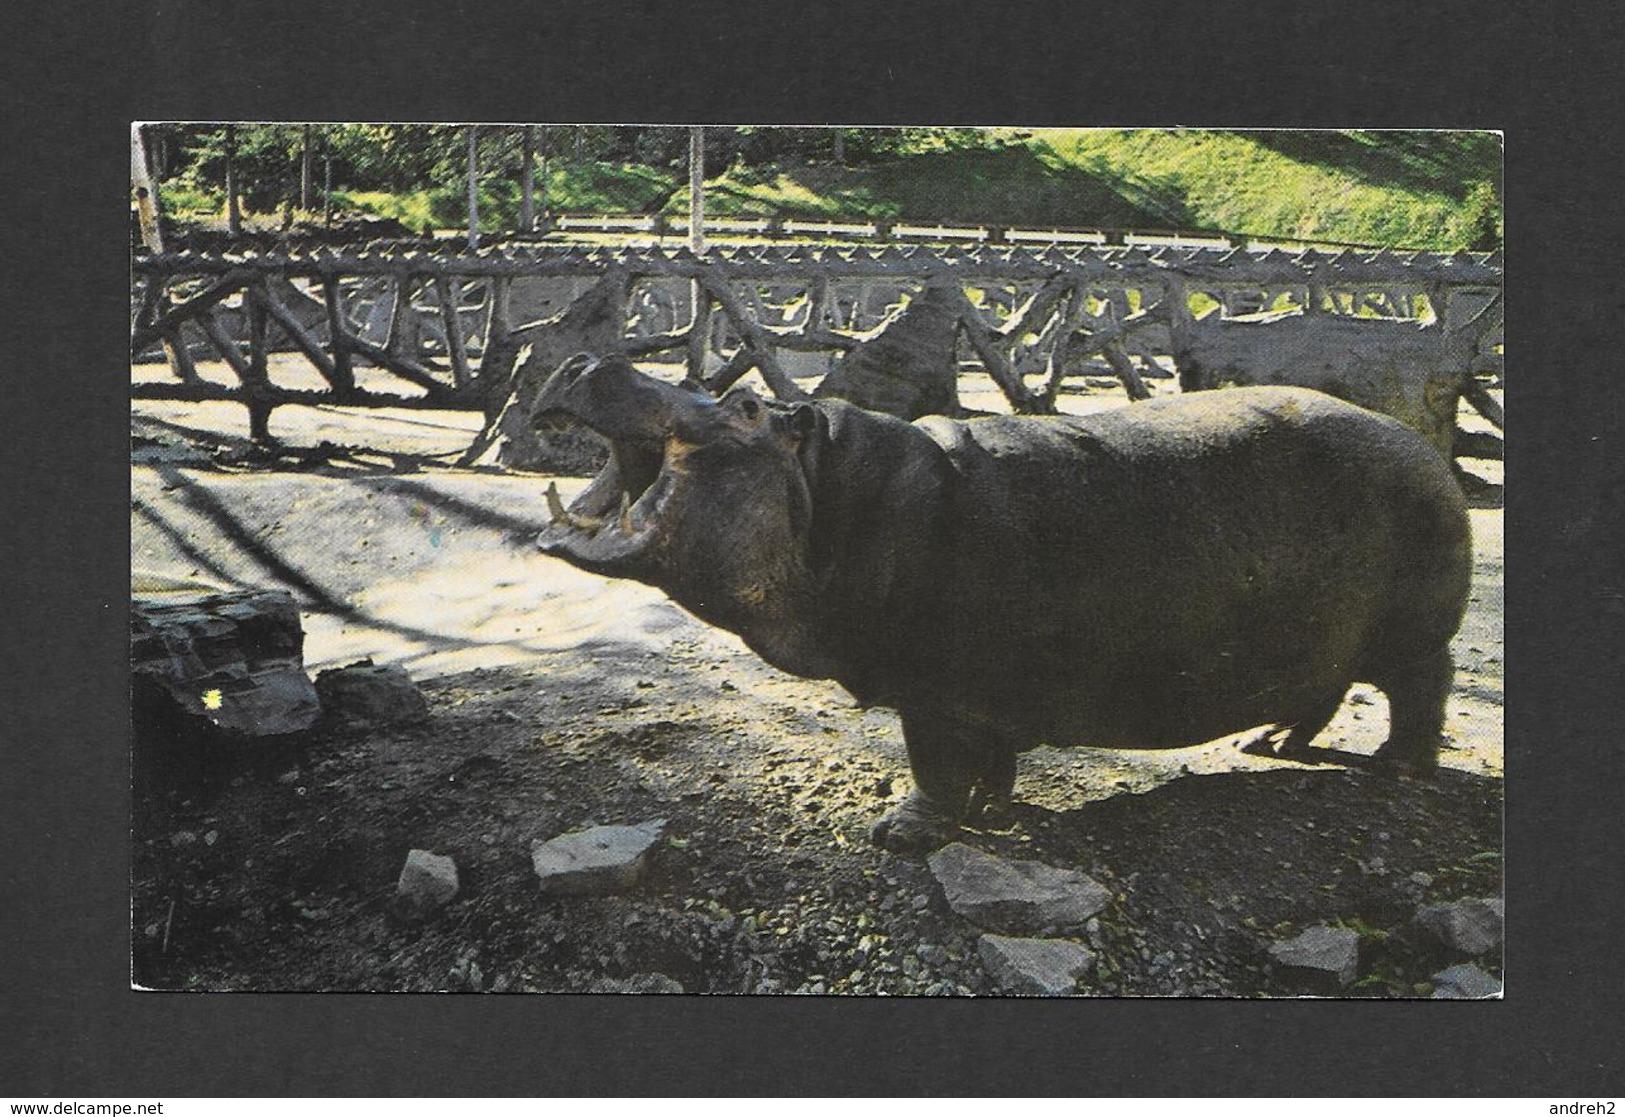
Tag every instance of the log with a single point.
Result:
(754, 337)
(455, 348)
(699, 331)
(207, 391)
(343, 370)
(225, 346)
(179, 356)
(1479, 398)
(1123, 365)
(406, 370)
(988, 345)
(1479, 444)
(153, 331)
(259, 376)
(307, 343)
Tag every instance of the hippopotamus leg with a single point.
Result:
(1416, 699)
(949, 761)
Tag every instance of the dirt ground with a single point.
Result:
(560, 700)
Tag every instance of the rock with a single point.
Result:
(1470, 926)
(428, 881)
(637, 983)
(1014, 897)
(595, 861)
(233, 661)
(372, 694)
(1464, 982)
(1045, 967)
(1321, 951)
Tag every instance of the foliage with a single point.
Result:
(1440, 190)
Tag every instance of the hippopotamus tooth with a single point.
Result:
(1153, 577)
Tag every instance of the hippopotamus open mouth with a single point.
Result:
(648, 425)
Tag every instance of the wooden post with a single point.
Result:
(307, 168)
(403, 335)
(455, 349)
(699, 334)
(234, 214)
(259, 375)
(327, 184)
(696, 190)
(343, 371)
(146, 193)
(527, 180)
(473, 187)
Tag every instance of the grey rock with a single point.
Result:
(232, 661)
(1015, 897)
(1320, 952)
(372, 694)
(1464, 982)
(637, 983)
(428, 881)
(595, 861)
(1042, 967)
(1470, 926)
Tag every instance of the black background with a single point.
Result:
(76, 74)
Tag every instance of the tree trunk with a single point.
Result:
(527, 181)
(581, 143)
(696, 190)
(840, 148)
(307, 169)
(234, 214)
(146, 192)
(327, 185)
(473, 187)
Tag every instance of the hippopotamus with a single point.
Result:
(1157, 576)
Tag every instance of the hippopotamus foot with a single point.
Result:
(1416, 701)
(918, 826)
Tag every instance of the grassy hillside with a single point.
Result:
(1438, 190)
(1418, 190)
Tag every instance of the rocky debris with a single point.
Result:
(1015, 897)
(232, 660)
(427, 883)
(599, 860)
(1464, 982)
(1045, 967)
(1320, 952)
(1470, 926)
(637, 983)
(372, 694)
